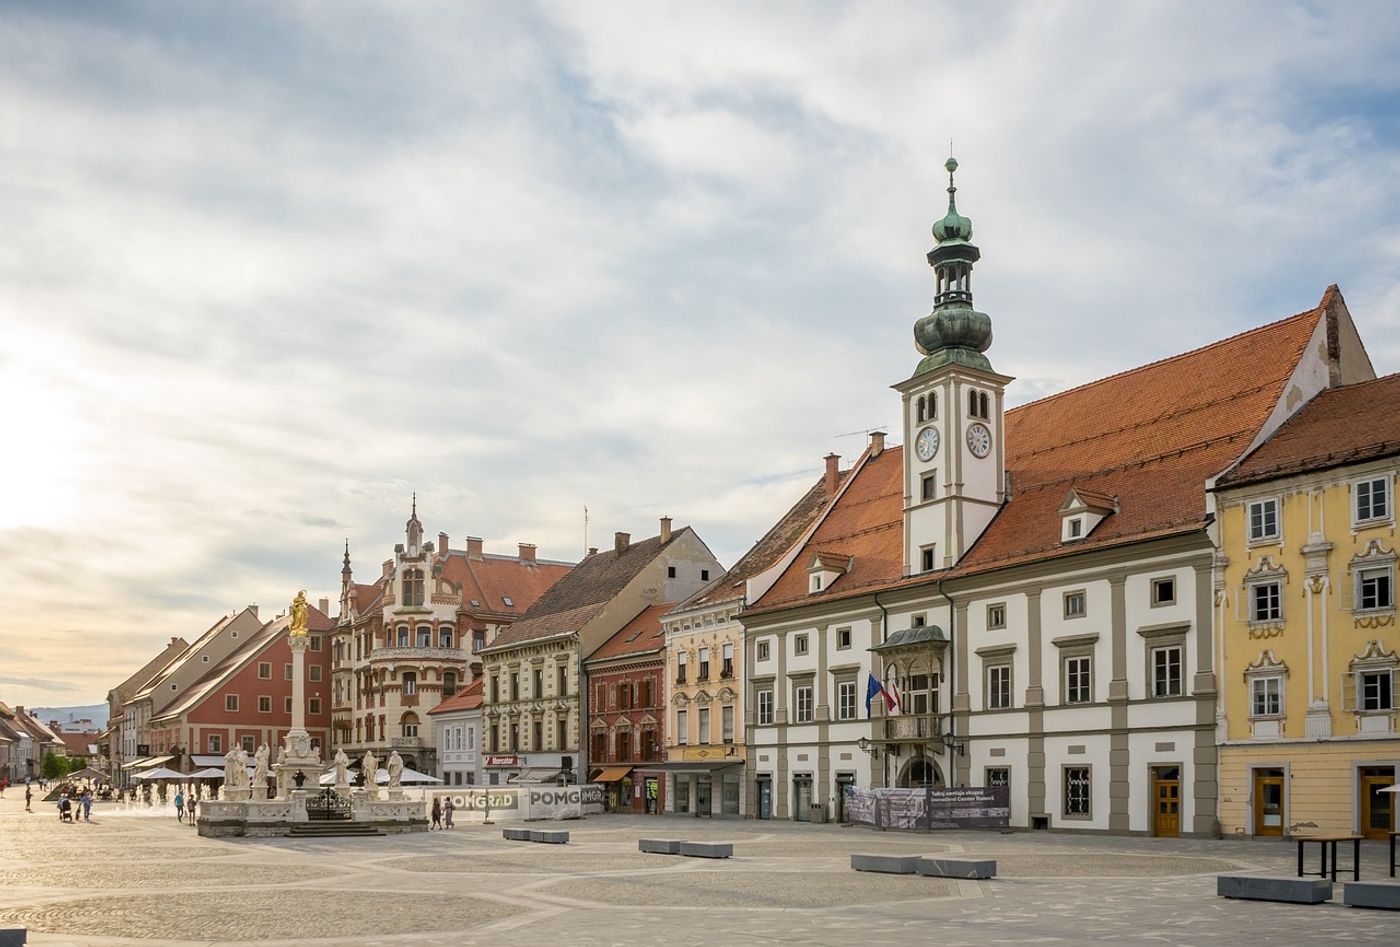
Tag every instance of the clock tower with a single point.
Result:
(953, 455)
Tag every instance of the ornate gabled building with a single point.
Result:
(536, 698)
(1035, 584)
(414, 636)
(626, 713)
(705, 749)
(1305, 600)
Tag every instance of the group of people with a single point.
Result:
(442, 812)
(69, 807)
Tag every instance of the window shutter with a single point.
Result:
(1242, 604)
(1346, 592)
(1349, 691)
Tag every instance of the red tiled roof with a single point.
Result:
(768, 550)
(641, 635)
(1151, 436)
(468, 698)
(491, 579)
(1340, 426)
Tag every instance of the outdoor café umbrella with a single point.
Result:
(409, 777)
(210, 772)
(161, 773)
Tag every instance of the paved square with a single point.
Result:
(127, 879)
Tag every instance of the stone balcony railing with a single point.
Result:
(912, 727)
(407, 743)
(415, 653)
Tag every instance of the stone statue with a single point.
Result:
(342, 770)
(395, 769)
(298, 626)
(260, 769)
(233, 773)
(370, 767)
(242, 768)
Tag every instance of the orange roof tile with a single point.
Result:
(641, 635)
(468, 698)
(492, 579)
(1340, 426)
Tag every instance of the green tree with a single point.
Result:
(53, 765)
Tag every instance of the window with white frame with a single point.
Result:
(998, 686)
(1263, 520)
(761, 651)
(1166, 671)
(1266, 601)
(703, 722)
(996, 615)
(1078, 688)
(802, 703)
(1075, 606)
(846, 700)
(1078, 801)
(682, 728)
(998, 776)
(726, 718)
(1375, 588)
(799, 644)
(1375, 690)
(1266, 696)
(843, 639)
(1372, 499)
(765, 707)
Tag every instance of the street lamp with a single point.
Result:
(867, 747)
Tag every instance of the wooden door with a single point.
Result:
(1166, 792)
(1377, 807)
(1268, 802)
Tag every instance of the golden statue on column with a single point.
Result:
(298, 628)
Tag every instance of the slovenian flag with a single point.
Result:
(875, 689)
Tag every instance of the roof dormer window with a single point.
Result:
(826, 568)
(1082, 511)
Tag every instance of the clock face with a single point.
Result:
(926, 444)
(979, 440)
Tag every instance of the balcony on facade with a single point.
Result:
(416, 653)
(911, 727)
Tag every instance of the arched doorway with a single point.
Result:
(920, 772)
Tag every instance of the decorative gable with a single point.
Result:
(825, 568)
(1081, 511)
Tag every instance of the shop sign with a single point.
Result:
(696, 753)
(508, 760)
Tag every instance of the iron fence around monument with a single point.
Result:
(328, 806)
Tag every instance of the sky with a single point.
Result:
(267, 269)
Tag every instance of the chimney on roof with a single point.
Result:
(833, 470)
(877, 443)
(325, 606)
(593, 550)
(252, 608)
(175, 639)
(665, 529)
(527, 552)
(621, 541)
(442, 544)
(474, 545)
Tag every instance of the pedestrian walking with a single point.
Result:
(87, 805)
(193, 802)
(28, 797)
(180, 805)
(437, 814)
(447, 809)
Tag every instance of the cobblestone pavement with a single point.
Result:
(128, 879)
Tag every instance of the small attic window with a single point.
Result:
(1074, 528)
(816, 583)
(475, 604)
(506, 599)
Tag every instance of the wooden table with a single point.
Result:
(1328, 844)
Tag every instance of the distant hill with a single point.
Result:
(97, 713)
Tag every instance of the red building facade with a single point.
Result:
(626, 714)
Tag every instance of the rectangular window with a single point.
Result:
(1376, 690)
(998, 687)
(917, 621)
(843, 639)
(313, 705)
(444, 639)
(561, 686)
(998, 776)
(799, 644)
(1077, 682)
(264, 705)
(231, 703)
(216, 743)
(1077, 801)
(1266, 697)
(1076, 527)
(249, 744)
(704, 665)
(264, 670)
(682, 728)
(315, 643)
(702, 720)
(726, 716)
(286, 705)
(802, 703)
(765, 708)
(670, 572)
(926, 559)
(727, 654)
(680, 667)
(1166, 671)
(286, 672)
(1373, 499)
(1265, 601)
(315, 672)
(761, 650)
(1074, 604)
(846, 700)
(1376, 589)
(537, 683)
(996, 615)
(1263, 520)
(1164, 591)
(927, 486)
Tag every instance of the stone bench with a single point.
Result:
(516, 835)
(1274, 888)
(549, 838)
(707, 849)
(886, 864)
(659, 846)
(971, 868)
(1372, 894)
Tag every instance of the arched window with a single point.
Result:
(444, 636)
(410, 683)
(425, 636)
(982, 405)
(409, 723)
(403, 636)
(921, 407)
(413, 587)
(933, 405)
(972, 403)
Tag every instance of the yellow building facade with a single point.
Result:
(1305, 601)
